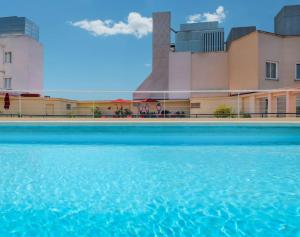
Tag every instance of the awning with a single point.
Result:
(146, 101)
(149, 100)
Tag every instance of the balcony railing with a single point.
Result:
(150, 104)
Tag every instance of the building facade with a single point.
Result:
(21, 55)
(252, 60)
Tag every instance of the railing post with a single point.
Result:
(239, 112)
(20, 105)
(164, 104)
(93, 109)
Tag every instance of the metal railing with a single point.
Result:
(150, 104)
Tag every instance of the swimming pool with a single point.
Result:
(149, 180)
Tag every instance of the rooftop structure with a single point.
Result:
(14, 25)
(200, 37)
(21, 53)
(287, 21)
(158, 79)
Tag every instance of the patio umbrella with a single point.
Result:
(121, 101)
(6, 101)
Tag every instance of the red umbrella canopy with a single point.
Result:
(146, 101)
(6, 101)
(149, 100)
(121, 101)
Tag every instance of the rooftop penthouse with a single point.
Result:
(200, 37)
(13, 25)
(22, 54)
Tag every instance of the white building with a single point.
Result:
(21, 55)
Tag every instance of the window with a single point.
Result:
(68, 106)
(195, 105)
(7, 83)
(297, 71)
(7, 57)
(272, 70)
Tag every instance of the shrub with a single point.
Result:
(97, 113)
(123, 112)
(245, 115)
(165, 112)
(223, 111)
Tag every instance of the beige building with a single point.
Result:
(253, 60)
(34, 105)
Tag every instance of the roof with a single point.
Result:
(289, 10)
(268, 33)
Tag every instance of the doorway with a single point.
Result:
(49, 109)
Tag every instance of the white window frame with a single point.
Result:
(277, 71)
(8, 60)
(5, 84)
(297, 78)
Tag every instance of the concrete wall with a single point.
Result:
(243, 63)
(209, 104)
(197, 71)
(180, 74)
(283, 50)
(26, 69)
(209, 72)
(37, 106)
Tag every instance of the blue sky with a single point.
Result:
(77, 59)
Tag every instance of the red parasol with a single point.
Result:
(6, 101)
(121, 101)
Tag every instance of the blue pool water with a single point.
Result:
(154, 180)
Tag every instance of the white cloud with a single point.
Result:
(136, 25)
(219, 15)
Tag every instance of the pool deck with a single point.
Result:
(151, 120)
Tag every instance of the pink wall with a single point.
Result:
(209, 72)
(26, 69)
(180, 74)
(243, 63)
